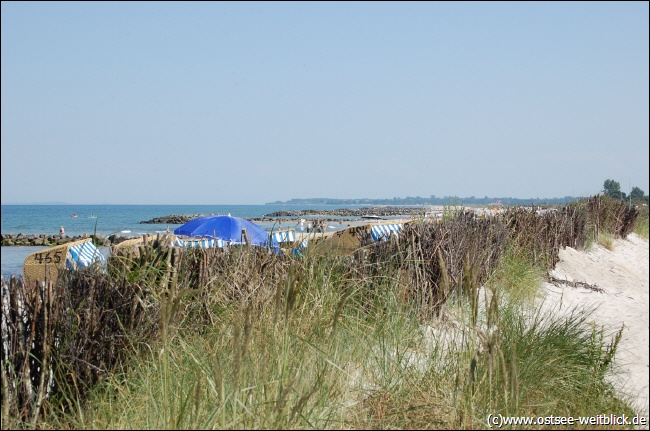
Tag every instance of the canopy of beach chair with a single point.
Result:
(82, 255)
(285, 236)
(382, 232)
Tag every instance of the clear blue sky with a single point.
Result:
(248, 103)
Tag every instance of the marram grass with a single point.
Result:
(377, 367)
(641, 227)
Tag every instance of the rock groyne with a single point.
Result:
(49, 240)
(175, 219)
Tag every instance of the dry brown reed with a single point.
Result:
(614, 216)
(30, 318)
(541, 236)
(434, 260)
(247, 275)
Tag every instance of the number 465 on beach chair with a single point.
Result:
(46, 264)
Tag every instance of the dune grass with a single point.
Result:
(357, 356)
(641, 227)
(606, 239)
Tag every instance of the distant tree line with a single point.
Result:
(611, 188)
(431, 200)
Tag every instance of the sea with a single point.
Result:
(119, 219)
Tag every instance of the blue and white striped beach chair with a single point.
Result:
(285, 236)
(289, 237)
(202, 243)
(83, 255)
(298, 248)
(177, 242)
(382, 232)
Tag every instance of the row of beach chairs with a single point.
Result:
(82, 254)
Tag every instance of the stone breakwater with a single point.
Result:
(175, 219)
(48, 239)
(342, 214)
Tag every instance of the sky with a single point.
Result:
(248, 103)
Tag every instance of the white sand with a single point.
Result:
(622, 274)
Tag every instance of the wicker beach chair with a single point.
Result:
(45, 265)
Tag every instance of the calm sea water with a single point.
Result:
(110, 219)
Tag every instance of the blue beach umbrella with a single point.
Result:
(226, 228)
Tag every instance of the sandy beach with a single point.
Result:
(620, 299)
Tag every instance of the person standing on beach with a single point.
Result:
(62, 232)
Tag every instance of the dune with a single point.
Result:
(614, 284)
